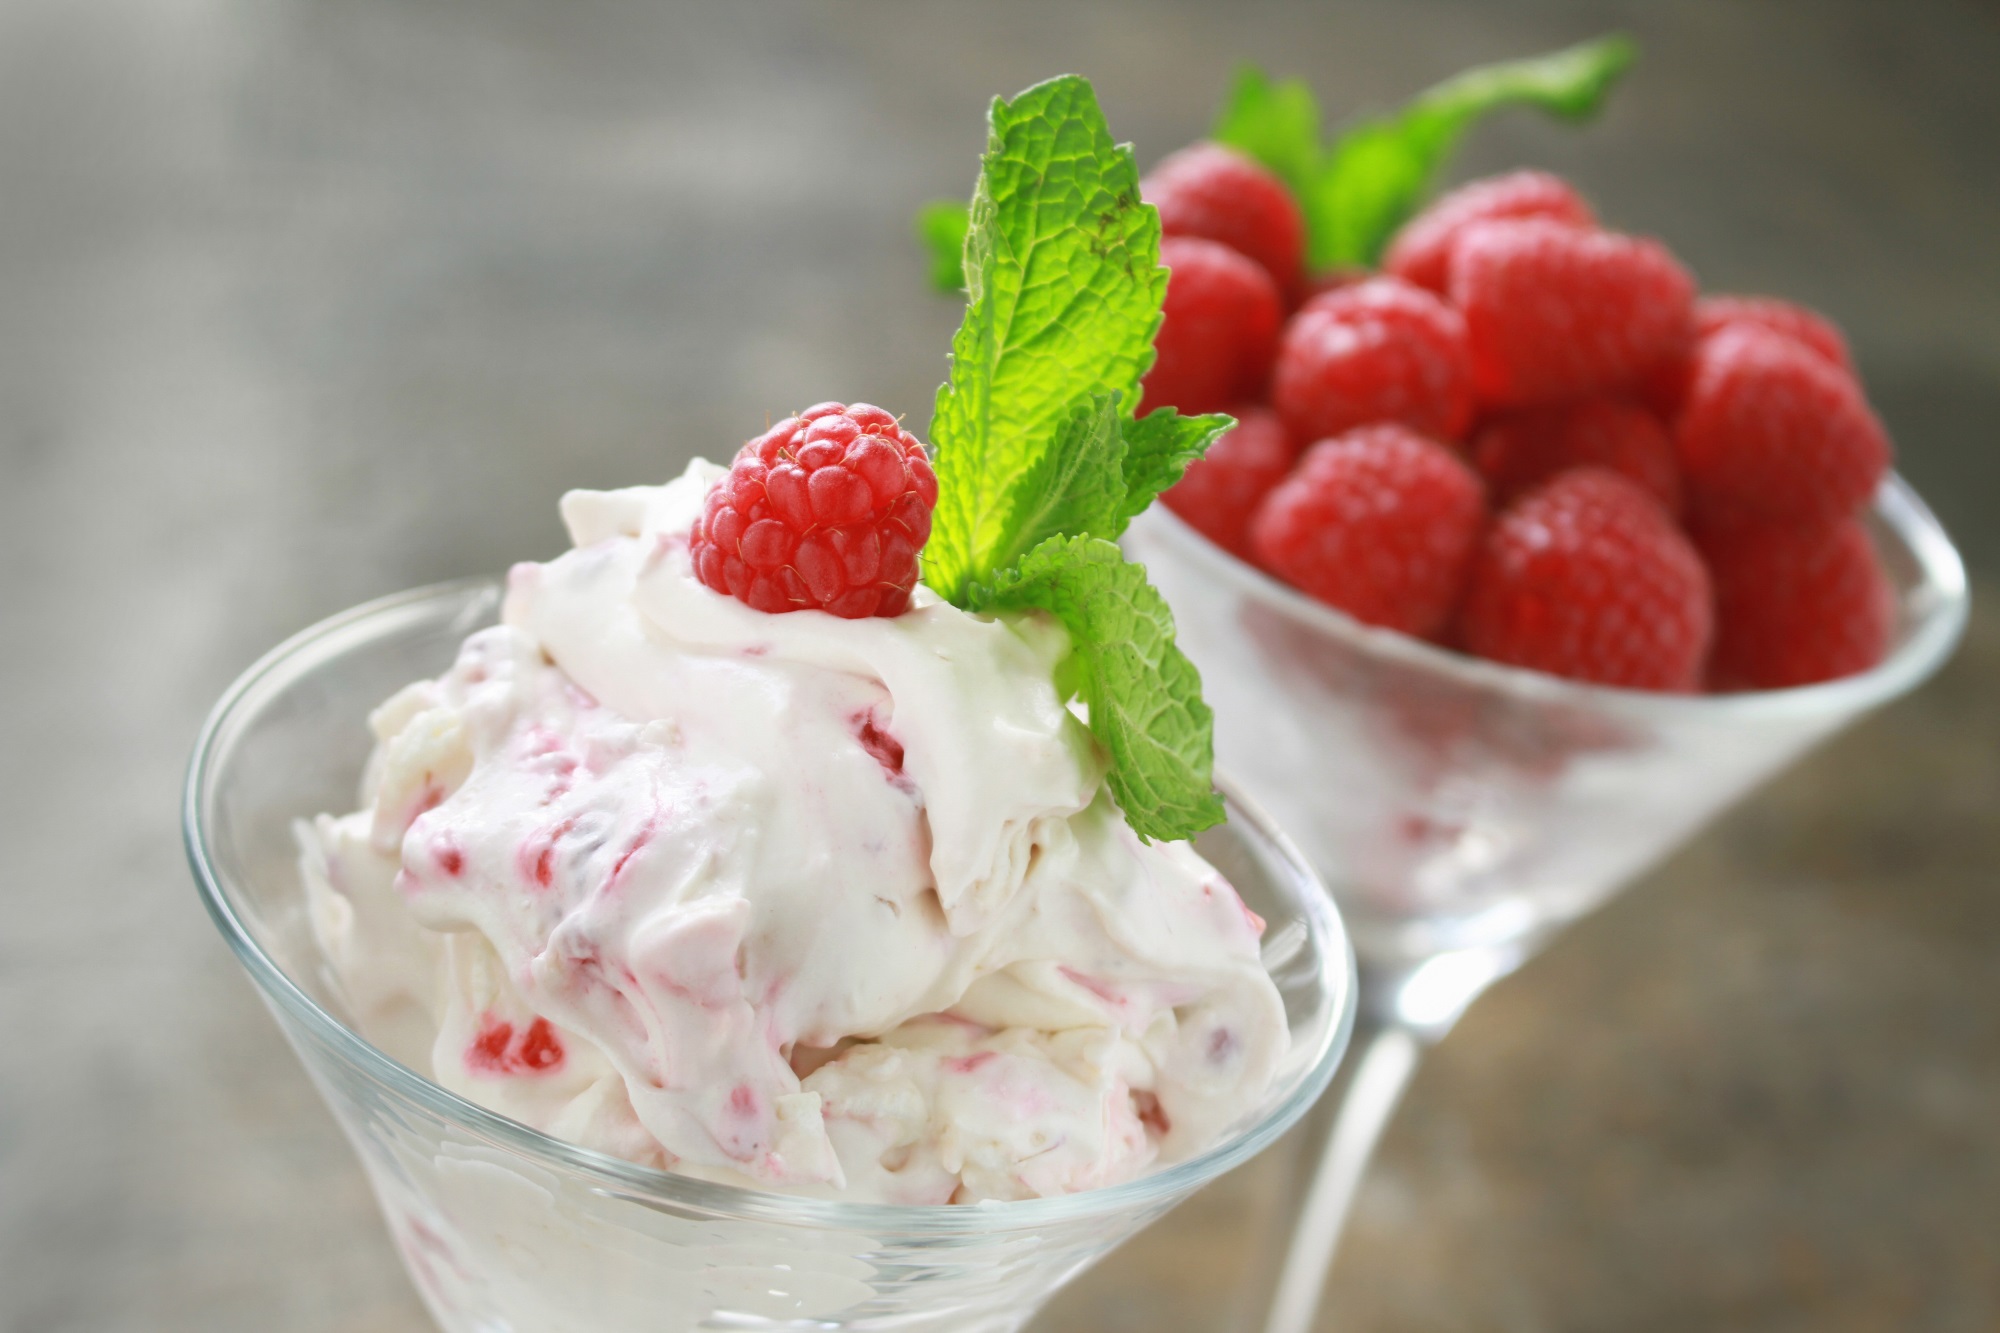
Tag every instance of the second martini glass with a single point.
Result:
(1463, 811)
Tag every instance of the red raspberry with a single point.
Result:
(1220, 490)
(1219, 332)
(1794, 606)
(1771, 430)
(1379, 350)
(1553, 311)
(1518, 450)
(826, 510)
(1379, 522)
(1220, 195)
(1712, 314)
(1421, 251)
(1665, 389)
(1587, 577)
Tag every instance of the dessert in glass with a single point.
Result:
(503, 1226)
(733, 931)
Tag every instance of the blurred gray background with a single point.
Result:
(302, 302)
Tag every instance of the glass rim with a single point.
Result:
(648, 1185)
(1934, 632)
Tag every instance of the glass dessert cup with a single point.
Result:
(1462, 811)
(504, 1228)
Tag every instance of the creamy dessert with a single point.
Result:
(830, 906)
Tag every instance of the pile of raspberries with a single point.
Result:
(1525, 438)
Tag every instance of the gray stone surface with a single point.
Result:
(305, 302)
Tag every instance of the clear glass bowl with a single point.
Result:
(1461, 806)
(505, 1229)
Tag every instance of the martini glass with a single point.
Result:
(505, 1230)
(1463, 811)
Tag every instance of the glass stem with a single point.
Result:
(1406, 1009)
(1365, 1093)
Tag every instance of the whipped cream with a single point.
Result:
(837, 907)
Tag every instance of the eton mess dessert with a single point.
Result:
(735, 849)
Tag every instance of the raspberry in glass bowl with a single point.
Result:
(1631, 551)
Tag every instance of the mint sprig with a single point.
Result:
(1040, 461)
(1356, 193)
(1358, 190)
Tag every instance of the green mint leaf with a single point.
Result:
(1570, 84)
(1380, 171)
(1276, 124)
(1158, 448)
(1143, 694)
(1064, 287)
(1077, 486)
(1040, 464)
(941, 226)
(1375, 181)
